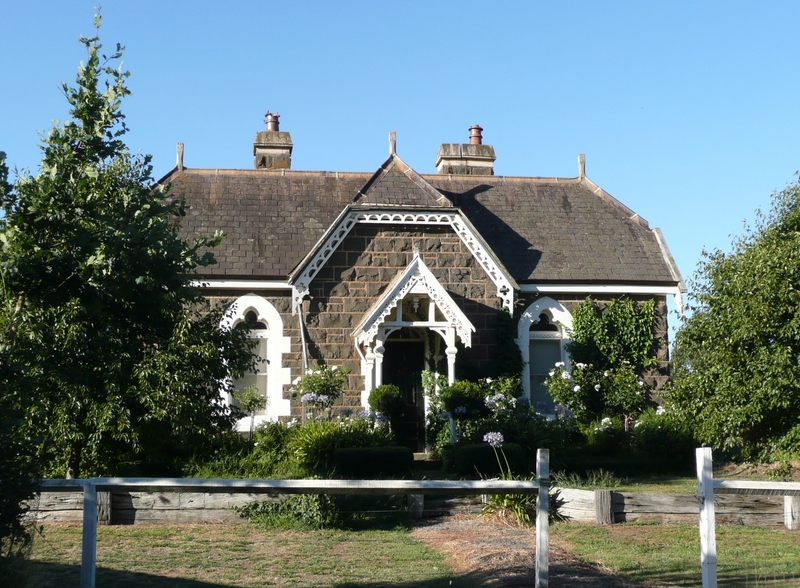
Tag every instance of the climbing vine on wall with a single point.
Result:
(611, 348)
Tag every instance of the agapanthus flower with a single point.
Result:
(460, 410)
(562, 410)
(494, 438)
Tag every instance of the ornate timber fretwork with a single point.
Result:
(461, 226)
(469, 236)
(415, 279)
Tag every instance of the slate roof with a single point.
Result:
(541, 229)
(397, 184)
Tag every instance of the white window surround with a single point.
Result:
(277, 375)
(502, 280)
(558, 314)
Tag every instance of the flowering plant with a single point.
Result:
(590, 394)
(320, 385)
(320, 400)
(518, 505)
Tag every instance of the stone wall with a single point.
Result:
(360, 271)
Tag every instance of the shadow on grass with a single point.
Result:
(50, 575)
(574, 575)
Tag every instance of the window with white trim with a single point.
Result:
(542, 332)
(544, 352)
(269, 377)
(258, 377)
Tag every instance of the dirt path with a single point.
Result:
(497, 554)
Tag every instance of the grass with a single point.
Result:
(210, 556)
(206, 556)
(748, 557)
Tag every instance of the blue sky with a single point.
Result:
(687, 111)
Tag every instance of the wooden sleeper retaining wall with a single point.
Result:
(598, 506)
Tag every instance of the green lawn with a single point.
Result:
(206, 556)
(670, 554)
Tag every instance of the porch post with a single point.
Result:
(451, 352)
(369, 376)
(379, 349)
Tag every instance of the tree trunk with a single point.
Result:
(74, 461)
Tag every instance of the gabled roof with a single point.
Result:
(415, 279)
(541, 229)
(303, 274)
(396, 184)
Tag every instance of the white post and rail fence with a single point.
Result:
(707, 487)
(414, 489)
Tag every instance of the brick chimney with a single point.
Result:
(473, 158)
(273, 147)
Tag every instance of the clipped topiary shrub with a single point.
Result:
(373, 462)
(464, 400)
(387, 399)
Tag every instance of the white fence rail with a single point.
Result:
(92, 486)
(707, 486)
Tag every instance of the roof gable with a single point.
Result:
(305, 272)
(395, 183)
(415, 279)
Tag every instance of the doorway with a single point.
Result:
(403, 362)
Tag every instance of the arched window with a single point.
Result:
(542, 331)
(269, 376)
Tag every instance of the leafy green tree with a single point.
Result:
(126, 360)
(19, 468)
(736, 363)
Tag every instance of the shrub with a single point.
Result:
(320, 385)
(298, 512)
(313, 444)
(464, 400)
(481, 458)
(590, 394)
(663, 438)
(388, 400)
(373, 462)
(607, 436)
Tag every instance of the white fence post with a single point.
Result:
(542, 517)
(791, 512)
(705, 496)
(89, 543)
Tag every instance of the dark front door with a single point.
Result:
(403, 362)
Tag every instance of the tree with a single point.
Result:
(19, 468)
(126, 359)
(736, 363)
